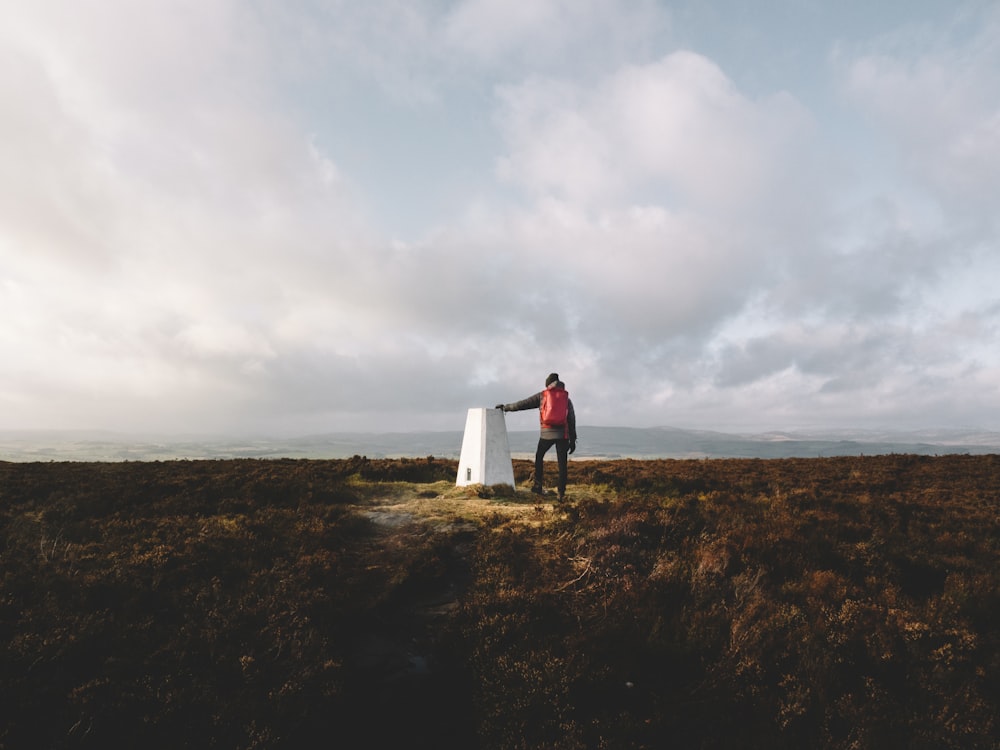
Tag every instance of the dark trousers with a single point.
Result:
(562, 452)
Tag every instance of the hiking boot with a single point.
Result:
(538, 490)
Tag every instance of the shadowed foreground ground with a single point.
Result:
(824, 603)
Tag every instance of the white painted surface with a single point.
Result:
(485, 457)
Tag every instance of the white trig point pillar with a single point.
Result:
(485, 452)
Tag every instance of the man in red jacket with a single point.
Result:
(558, 427)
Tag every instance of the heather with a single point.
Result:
(826, 602)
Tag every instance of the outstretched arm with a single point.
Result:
(532, 402)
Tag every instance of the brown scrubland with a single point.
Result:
(823, 603)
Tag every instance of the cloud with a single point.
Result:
(567, 36)
(187, 237)
(937, 101)
(676, 127)
(158, 216)
(660, 196)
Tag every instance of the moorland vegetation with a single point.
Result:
(825, 603)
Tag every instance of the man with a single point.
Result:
(558, 427)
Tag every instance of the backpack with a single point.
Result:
(554, 408)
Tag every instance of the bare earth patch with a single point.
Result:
(444, 506)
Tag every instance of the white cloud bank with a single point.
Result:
(190, 231)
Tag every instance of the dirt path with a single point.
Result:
(405, 660)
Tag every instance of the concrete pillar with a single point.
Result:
(485, 455)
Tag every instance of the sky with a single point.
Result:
(291, 217)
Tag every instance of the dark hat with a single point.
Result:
(552, 378)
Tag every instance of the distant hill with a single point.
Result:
(595, 442)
